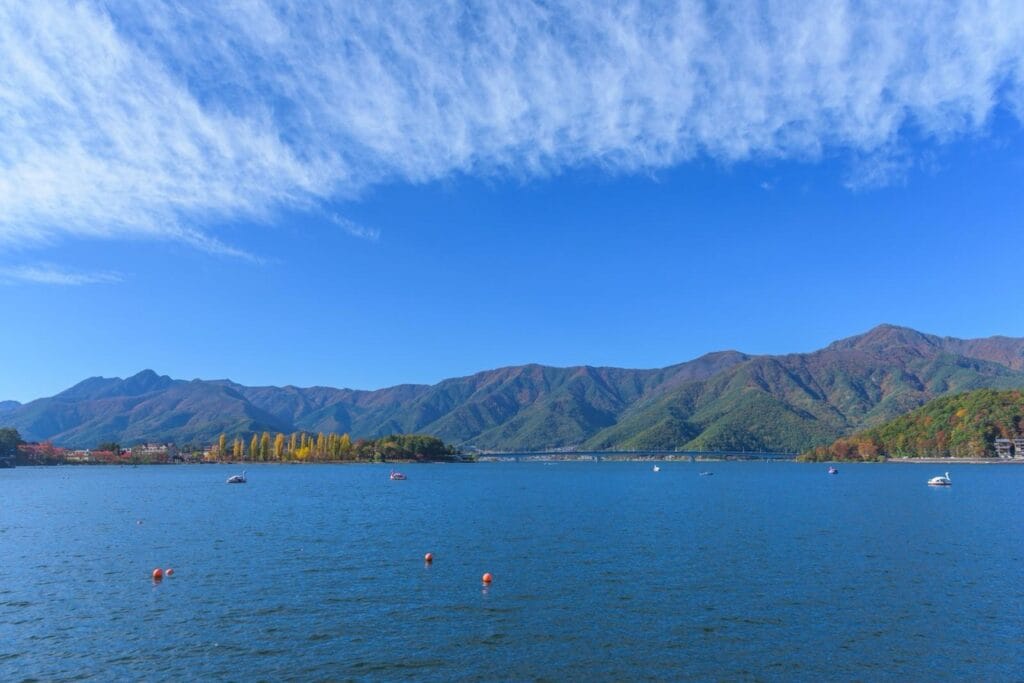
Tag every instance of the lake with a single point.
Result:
(602, 571)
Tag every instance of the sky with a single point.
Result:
(367, 194)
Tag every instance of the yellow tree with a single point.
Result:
(254, 446)
(264, 445)
(279, 447)
(222, 445)
(238, 448)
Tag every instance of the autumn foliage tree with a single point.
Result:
(963, 425)
(332, 447)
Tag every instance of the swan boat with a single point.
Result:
(237, 478)
(396, 476)
(941, 480)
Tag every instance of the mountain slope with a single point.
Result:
(961, 425)
(725, 400)
(795, 401)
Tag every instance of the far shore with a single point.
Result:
(560, 458)
(955, 461)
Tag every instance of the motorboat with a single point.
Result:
(941, 480)
(707, 474)
(656, 468)
(237, 478)
(832, 469)
(397, 476)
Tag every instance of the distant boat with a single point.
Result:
(707, 474)
(941, 480)
(397, 476)
(657, 469)
(237, 478)
(832, 469)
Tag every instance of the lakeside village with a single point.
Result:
(265, 447)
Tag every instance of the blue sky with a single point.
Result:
(366, 195)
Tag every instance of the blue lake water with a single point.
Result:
(602, 571)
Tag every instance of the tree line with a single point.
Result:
(329, 447)
(255, 447)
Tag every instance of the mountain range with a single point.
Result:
(722, 400)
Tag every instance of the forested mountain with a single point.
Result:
(720, 400)
(960, 426)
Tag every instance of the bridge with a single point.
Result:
(520, 456)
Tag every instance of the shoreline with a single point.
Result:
(552, 459)
(962, 461)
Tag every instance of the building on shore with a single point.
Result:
(78, 455)
(1004, 448)
(154, 452)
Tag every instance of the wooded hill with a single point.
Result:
(960, 426)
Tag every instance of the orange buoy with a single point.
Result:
(169, 572)
(158, 574)
(429, 557)
(488, 578)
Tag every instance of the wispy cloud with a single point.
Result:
(140, 117)
(355, 229)
(49, 274)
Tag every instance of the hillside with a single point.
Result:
(795, 401)
(724, 400)
(958, 426)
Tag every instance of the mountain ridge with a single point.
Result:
(720, 400)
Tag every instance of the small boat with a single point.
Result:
(941, 480)
(657, 469)
(707, 474)
(397, 476)
(832, 469)
(237, 478)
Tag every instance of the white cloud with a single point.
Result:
(49, 274)
(159, 119)
(355, 229)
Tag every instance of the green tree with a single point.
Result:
(111, 446)
(10, 439)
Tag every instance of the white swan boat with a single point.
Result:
(237, 478)
(941, 480)
(657, 469)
